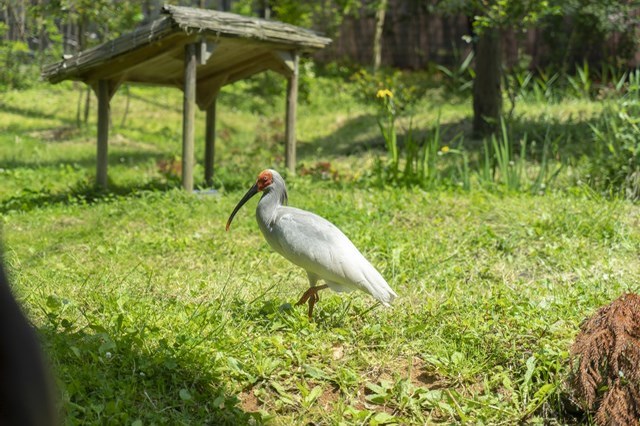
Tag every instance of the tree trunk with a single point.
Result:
(377, 37)
(487, 93)
(42, 41)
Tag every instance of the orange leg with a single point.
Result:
(311, 296)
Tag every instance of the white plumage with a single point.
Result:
(313, 243)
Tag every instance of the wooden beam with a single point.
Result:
(188, 116)
(209, 85)
(210, 143)
(249, 62)
(208, 90)
(103, 133)
(290, 130)
(246, 72)
(205, 50)
(283, 62)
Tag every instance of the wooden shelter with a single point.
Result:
(198, 51)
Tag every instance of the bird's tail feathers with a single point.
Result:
(372, 283)
(385, 296)
(380, 290)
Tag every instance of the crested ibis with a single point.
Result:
(313, 243)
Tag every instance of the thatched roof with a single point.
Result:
(230, 47)
(225, 24)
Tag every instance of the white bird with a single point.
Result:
(313, 243)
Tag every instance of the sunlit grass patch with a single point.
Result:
(150, 311)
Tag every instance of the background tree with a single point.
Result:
(381, 9)
(490, 19)
(581, 31)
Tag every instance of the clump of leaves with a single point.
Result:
(607, 349)
(615, 163)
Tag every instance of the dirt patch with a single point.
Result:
(169, 167)
(56, 135)
(421, 376)
(66, 222)
(413, 368)
(248, 402)
(337, 351)
(329, 397)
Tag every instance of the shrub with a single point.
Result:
(615, 163)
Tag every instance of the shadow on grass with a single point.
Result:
(114, 377)
(332, 312)
(84, 192)
(151, 101)
(115, 156)
(569, 138)
(341, 142)
(35, 113)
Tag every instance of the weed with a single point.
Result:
(581, 84)
(615, 165)
(544, 86)
(509, 167)
(387, 124)
(459, 80)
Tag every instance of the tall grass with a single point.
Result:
(615, 165)
(581, 83)
(510, 168)
(504, 164)
(414, 161)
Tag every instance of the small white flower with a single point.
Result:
(108, 355)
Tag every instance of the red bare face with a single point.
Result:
(265, 178)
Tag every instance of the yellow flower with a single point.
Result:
(444, 149)
(384, 93)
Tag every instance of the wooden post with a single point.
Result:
(290, 129)
(210, 143)
(188, 116)
(103, 133)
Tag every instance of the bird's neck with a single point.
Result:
(268, 206)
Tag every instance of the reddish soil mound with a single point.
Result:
(607, 354)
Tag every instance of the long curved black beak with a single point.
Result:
(250, 193)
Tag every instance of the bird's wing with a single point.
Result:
(318, 246)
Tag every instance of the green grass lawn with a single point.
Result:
(152, 314)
